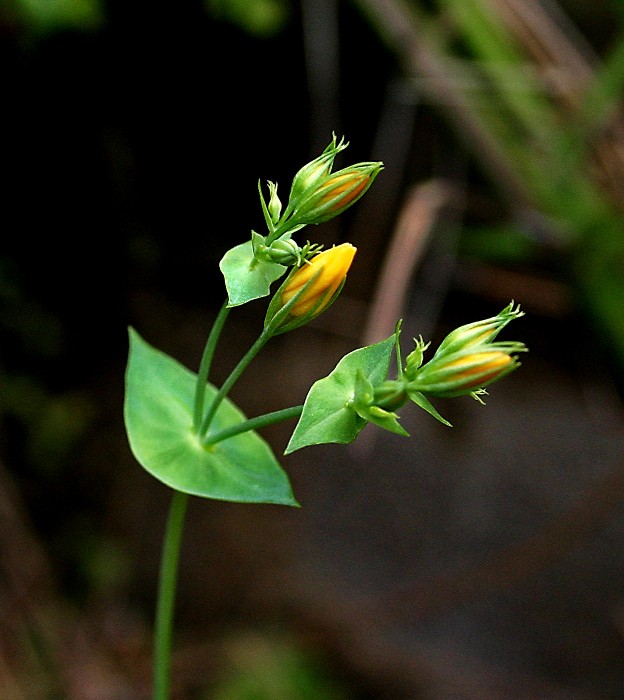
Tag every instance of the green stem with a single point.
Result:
(270, 329)
(206, 362)
(166, 595)
(253, 424)
(234, 375)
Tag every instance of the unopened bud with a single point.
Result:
(275, 206)
(314, 172)
(309, 290)
(479, 332)
(336, 193)
(467, 372)
(415, 359)
(332, 266)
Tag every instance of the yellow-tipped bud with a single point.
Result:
(310, 289)
(329, 270)
(335, 193)
(467, 372)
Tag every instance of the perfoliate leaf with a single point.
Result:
(327, 414)
(158, 412)
(247, 278)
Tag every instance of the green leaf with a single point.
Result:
(247, 278)
(423, 402)
(327, 415)
(386, 420)
(158, 412)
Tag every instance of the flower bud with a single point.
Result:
(275, 206)
(310, 289)
(415, 359)
(286, 251)
(313, 172)
(335, 193)
(468, 371)
(332, 266)
(479, 332)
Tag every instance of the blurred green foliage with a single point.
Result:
(264, 666)
(262, 18)
(540, 109)
(44, 16)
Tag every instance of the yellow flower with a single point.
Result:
(329, 270)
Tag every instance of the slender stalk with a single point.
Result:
(205, 364)
(253, 424)
(269, 331)
(166, 595)
(231, 380)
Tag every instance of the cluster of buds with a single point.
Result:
(467, 361)
(318, 195)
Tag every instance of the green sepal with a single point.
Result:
(328, 414)
(365, 408)
(246, 277)
(158, 413)
(424, 403)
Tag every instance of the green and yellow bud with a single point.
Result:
(329, 270)
(468, 371)
(336, 193)
(310, 289)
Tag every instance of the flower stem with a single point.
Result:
(166, 595)
(206, 362)
(234, 375)
(253, 424)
